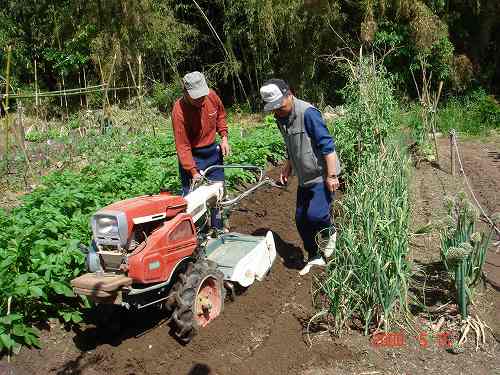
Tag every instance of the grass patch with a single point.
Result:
(476, 114)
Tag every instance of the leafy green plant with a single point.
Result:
(463, 250)
(367, 277)
(13, 332)
(35, 136)
(38, 240)
(475, 114)
(74, 122)
(370, 114)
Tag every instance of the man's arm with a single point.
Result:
(182, 144)
(319, 134)
(221, 126)
(331, 165)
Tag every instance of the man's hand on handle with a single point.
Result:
(286, 171)
(224, 145)
(331, 180)
(332, 184)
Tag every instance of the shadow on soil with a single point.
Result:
(123, 325)
(292, 255)
(200, 369)
(495, 155)
(75, 367)
(431, 286)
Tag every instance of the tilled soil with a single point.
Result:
(260, 332)
(264, 330)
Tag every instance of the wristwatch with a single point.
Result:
(332, 176)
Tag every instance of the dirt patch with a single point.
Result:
(263, 332)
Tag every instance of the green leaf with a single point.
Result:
(66, 316)
(36, 291)
(21, 290)
(7, 262)
(61, 288)
(8, 319)
(76, 317)
(33, 341)
(19, 330)
(6, 341)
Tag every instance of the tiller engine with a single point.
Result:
(161, 250)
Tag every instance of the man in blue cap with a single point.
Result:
(312, 156)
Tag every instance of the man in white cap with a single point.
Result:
(312, 156)
(196, 118)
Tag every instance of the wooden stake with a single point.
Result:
(128, 86)
(452, 151)
(106, 87)
(85, 83)
(20, 127)
(9, 301)
(133, 77)
(80, 85)
(60, 96)
(36, 89)
(21, 137)
(65, 97)
(6, 106)
(140, 80)
(433, 120)
(105, 99)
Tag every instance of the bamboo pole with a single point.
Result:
(105, 101)
(36, 89)
(452, 151)
(9, 302)
(228, 56)
(126, 75)
(21, 142)
(140, 80)
(70, 92)
(65, 97)
(137, 88)
(6, 106)
(106, 87)
(433, 121)
(80, 85)
(104, 96)
(85, 83)
(133, 77)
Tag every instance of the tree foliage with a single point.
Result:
(240, 43)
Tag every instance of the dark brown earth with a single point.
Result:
(263, 331)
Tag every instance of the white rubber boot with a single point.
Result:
(316, 261)
(330, 246)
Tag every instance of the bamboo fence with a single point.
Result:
(12, 131)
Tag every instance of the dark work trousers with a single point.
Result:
(205, 157)
(313, 214)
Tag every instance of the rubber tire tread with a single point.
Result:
(185, 326)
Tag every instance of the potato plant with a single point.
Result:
(39, 238)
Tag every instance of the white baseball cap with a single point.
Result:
(195, 84)
(273, 92)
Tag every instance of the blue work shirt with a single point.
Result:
(318, 132)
